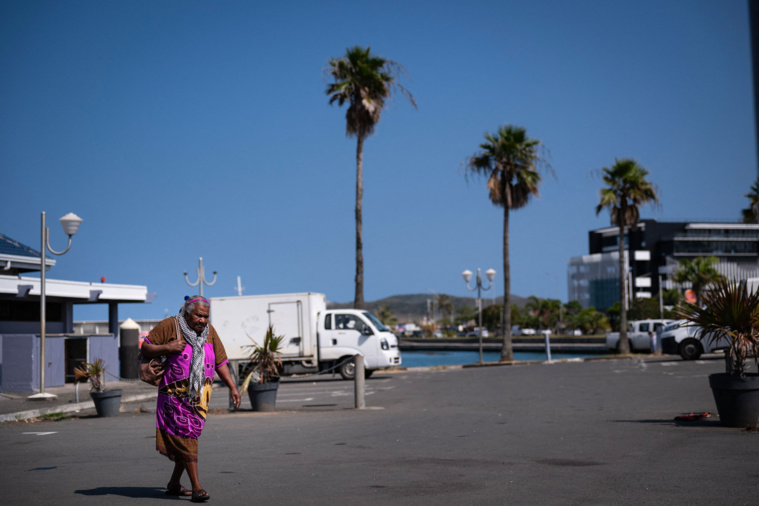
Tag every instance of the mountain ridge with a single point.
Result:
(413, 307)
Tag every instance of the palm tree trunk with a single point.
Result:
(358, 301)
(507, 350)
(624, 345)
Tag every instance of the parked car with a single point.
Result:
(473, 333)
(681, 339)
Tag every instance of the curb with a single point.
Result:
(67, 408)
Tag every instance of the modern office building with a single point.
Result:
(653, 251)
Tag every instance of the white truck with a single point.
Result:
(637, 334)
(316, 339)
(681, 339)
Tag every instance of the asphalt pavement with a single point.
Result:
(594, 432)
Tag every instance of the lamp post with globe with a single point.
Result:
(467, 275)
(70, 224)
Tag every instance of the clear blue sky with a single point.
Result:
(180, 129)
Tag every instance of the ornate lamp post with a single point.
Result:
(467, 275)
(201, 277)
(70, 224)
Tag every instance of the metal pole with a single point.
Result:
(547, 333)
(43, 315)
(479, 309)
(201, 276)
(661, 299)
(358, 382)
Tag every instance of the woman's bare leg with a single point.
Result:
(192, 472)
(176, 476)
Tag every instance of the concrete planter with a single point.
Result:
(737, 399)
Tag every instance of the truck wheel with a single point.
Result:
(690, 349)
(348, 369)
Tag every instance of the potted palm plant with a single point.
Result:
(262, 380)
(730, 313)
(107, 402)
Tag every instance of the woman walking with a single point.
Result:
(194, 353)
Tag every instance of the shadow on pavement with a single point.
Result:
(134, 492)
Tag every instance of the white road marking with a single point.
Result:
(39, 433)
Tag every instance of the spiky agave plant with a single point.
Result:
(266, 360)
(728, 311)
(94, 372)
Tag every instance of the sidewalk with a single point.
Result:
(17, 406)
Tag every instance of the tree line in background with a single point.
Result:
(511, 162)
(564, 318)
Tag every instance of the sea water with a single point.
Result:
(418, 358)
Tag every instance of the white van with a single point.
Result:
(316, 339)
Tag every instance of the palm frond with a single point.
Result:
(94, 372)
(266, 360)
(731, 312)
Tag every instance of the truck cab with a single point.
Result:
(638, 334)
(344, 333)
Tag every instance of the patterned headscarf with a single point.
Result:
(197, 369)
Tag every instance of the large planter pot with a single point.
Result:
(737, 399)
(107, 403)
(263, 397)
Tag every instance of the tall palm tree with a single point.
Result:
(751, 213)
(510, 161)
(700, 273)
(626, 190)
(445, 304)
(365, 82)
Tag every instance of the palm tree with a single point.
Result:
(700, 273)
(626, 190)
(510, 161)
(445, 304)
(751, 214)
(365, 82)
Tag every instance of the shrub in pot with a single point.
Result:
(262, 380)
(729, 311)
(107, 402)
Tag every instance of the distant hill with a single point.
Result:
(413, 307)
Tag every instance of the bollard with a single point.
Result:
(129, 349)
(234, 372)
(359, 379)
(547, 333)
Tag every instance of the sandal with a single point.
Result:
(200, 496)
(177, 490)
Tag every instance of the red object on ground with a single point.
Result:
(693, 416)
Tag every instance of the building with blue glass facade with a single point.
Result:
(653, 251)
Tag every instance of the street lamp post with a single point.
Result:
(467, 275)
(70, 224)
(201, 277)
